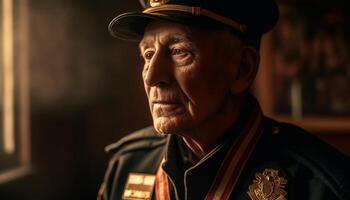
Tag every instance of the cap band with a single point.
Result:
(199, 12)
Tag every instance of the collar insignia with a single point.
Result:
(268, 186)
(154, 3)
(139, 186)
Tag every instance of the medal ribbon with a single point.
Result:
(162, 186)
(232, 166)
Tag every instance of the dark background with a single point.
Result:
(85, 93)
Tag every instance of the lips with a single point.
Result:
(166, 108)
(164, 97)
(166, 102)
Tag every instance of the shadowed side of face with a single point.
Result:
(187, 74)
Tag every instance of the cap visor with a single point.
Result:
(131, 26)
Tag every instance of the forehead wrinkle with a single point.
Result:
(166, 37)
(144, 42)
(179, 38)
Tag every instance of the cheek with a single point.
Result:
(144, 73)
(205, 90)
(146, 87)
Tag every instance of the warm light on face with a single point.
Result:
(8, 77)
(187, 74)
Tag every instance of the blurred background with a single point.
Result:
(68, 89)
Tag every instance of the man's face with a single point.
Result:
(187, 74)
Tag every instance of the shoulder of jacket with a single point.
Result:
(308, 144)
(315, 154)
(302, 142)
(146, 138)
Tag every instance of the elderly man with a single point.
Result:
(209, 138)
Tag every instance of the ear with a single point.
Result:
(247, 70)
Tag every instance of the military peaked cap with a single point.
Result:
(247, 18)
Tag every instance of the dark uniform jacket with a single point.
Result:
(313, 169)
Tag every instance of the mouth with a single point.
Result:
(166, 102)
(167, 108)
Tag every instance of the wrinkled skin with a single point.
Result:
(193, 80)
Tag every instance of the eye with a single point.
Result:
(147, 55)
(179, 52)
(181, 55)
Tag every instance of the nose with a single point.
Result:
(158, 71)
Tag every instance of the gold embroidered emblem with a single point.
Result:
(154, 3)
(268, 186)
(139, 187)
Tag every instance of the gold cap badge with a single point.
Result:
(268, 186)
(154, 3)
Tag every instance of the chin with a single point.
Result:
(165, 126)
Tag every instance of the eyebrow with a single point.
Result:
(177, 38)
(172, 39)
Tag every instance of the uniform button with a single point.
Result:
(276, 130)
